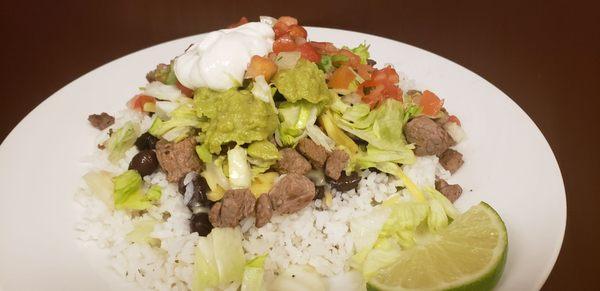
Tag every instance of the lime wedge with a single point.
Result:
(468, 255)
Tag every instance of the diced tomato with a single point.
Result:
(341, 78)
(353, 59)
(284, 44)
(324, 48)
(288, 20)
(288, 25)
(242, 21)
(453, 118)
(308, 52)
(364, 71)
(383, 85)
(261, 66)
(185, 90)
(297, 31)
(387, 74)
(138, 101)
(371, 92)
(430, 103)
(280, 29)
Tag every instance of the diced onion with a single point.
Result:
(287, 60)
(161, 91)
(268, 20)
(455, 131)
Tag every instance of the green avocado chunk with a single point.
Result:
(233, 116)
(304, 81)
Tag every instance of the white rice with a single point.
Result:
(317, 236)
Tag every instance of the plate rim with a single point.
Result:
(557, 246)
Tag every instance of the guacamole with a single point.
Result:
(304, 81)
(233, 115)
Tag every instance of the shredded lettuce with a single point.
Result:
(338, 59)
(122, 140)
(206, 274)
(381, 127)
(154, 193)
(365, 229)
(405, 223)
(373, 155)
(253, 274)
(385, 253)
(219, 259)
(262, 90)
(394, 169)
(410, 111)
(296, 277)
(339, 106)
(319, 137)
(240, 175)
(294, 117)
(126, 185)
(163, 109)
(215, 178)
(362, 51)
(178, 134)
(100, 184)
(441, 210)
(402, 224)
(325, 64)
(128, 192)
(141, 232)
(359, 115)
(183, 120)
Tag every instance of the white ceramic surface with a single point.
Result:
(508, 164)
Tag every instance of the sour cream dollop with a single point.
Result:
(221, 58)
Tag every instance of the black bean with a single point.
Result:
(199, 197)
(180, 186)
(371, 62)
(201, 224)
(345, 183)
(145, 162)
(226, 147)
(320, 192)
(375, 170)
(146, 141)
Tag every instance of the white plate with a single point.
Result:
(508, 164)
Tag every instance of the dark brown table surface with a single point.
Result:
(544, 54)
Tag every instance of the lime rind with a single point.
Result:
(486, 278)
